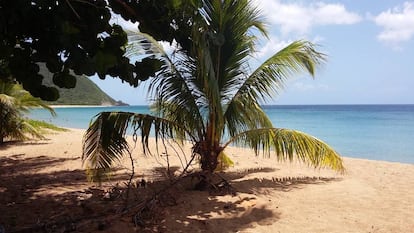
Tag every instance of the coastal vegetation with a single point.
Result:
(205, 92)
(14, 103)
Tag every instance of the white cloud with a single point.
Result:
(300, 18)
(272, 46)
(332, 14)
(397, 24)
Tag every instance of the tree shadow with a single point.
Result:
(63, 201)
(202, 211)
(198, 211)
(8, 144)
(276, 183)
(17, 164)
(30, 199)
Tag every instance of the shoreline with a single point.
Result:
(242, 148)
(361, 131)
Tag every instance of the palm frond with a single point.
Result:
(34, 131)
(14, 101)
(179, 113)
(6, 100)
(222, 46)
(270, 77)
(12, 128)
(22, 100)
(172, 89)
(143, 44)
(242, 115)
(104, 141)
(287, 144)
(27, 102)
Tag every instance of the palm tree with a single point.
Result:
(207, 93)
(14, 102)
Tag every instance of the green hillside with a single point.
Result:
(86, 92)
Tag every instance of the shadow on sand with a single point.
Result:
(234, 210)
(77, 206)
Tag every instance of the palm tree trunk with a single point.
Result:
(209, 161)
(208, 166)
(209, 155)
(2, 117)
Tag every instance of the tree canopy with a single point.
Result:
(70, 35)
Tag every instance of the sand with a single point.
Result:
(43, 188)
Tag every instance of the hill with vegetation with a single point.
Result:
(86, 92)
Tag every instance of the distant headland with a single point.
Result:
(86, 92)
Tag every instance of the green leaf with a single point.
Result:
(64, 80)
(68, 28)
(176, 3)
(49, 93)
(147, 67)
(103, 61)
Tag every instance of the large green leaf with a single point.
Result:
(288, 144)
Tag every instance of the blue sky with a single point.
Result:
(370, 48)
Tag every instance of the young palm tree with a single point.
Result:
(14, 102)
(206, 93)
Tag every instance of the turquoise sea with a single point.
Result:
(378, 132)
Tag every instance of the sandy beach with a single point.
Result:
(43, 188)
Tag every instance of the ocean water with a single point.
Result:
(378, 132)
